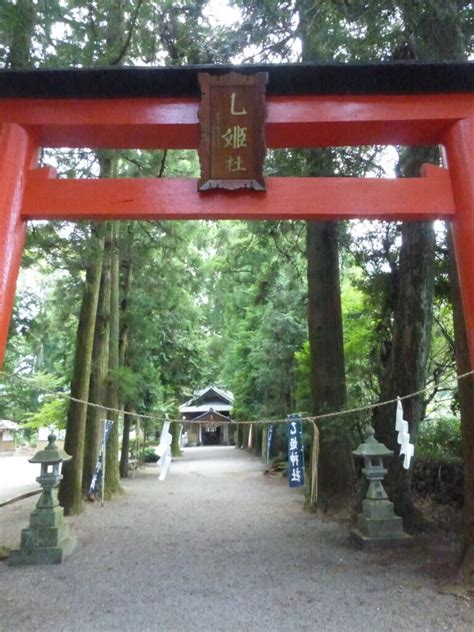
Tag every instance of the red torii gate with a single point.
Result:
(308, 106)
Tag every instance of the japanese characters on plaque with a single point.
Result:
(232, 119)
(295, 452)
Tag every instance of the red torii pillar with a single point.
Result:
(16, 157)
(459, 144)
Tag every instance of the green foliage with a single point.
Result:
(51, 414)
(148, 455)
(24, 396)
(256, 314)
(303, 393)
(358, 342)
(440, 439)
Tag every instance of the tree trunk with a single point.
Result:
(21, 33)
(411, 340)
(100, 363)
(239, 436)
(70, 490)
(409, 356)
(175, 429)
(258, 441)
(127, 424)
(466, 401)
(327, 375)
(112, 477)
(113, 55)
(439, 31)
(126, 265)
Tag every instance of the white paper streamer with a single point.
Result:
(163, 450)
(403, 438)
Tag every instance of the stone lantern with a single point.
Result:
(377, 525)
(47, 539)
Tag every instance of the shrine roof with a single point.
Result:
(216, 405)
(212, 415)
(6, 424)
(212, 396)
(406, 77)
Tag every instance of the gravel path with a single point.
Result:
(17, 476)
(219, 547)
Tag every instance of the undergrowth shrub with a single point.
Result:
(148, 455)
(440, 439)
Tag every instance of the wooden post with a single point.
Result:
(250, 437)
(313, 498)
(459, 143)
(16, 153)
(225, 428)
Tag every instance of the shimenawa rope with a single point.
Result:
(313, 418)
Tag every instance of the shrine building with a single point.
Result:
(207, 417)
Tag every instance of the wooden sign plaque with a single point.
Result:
(232, 117)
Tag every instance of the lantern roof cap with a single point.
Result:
(372, 447)
(51, 453)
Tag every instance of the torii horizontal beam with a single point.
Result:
(292, 122)
(286, 198)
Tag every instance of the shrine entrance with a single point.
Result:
(211, 435)
(308, 106)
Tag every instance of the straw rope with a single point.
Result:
(313, 418)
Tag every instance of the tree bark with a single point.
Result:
(326, 345)
(175, 429)
(258, 441)
(327, 373)
(466, 402)
(238, 436)
(70, 490)
(126, 265)
(21, 33)
(100, 366)
(411, 344)
(127, 424)
(411, 340)
(112, 476)
(99, 369)
(114, 53)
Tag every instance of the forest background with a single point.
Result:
(288, 315)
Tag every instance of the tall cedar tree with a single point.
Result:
(112, 479)
(126, 264)
(99, 367)
(435, 32)
(70, 490)
(326, 344)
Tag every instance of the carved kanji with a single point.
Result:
(232, 118)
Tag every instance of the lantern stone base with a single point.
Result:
(46, 541)
(379, 527)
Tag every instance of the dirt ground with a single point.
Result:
(220, 547)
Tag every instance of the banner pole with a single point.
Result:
(314, 466)
(270, 431)
(104, 452)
